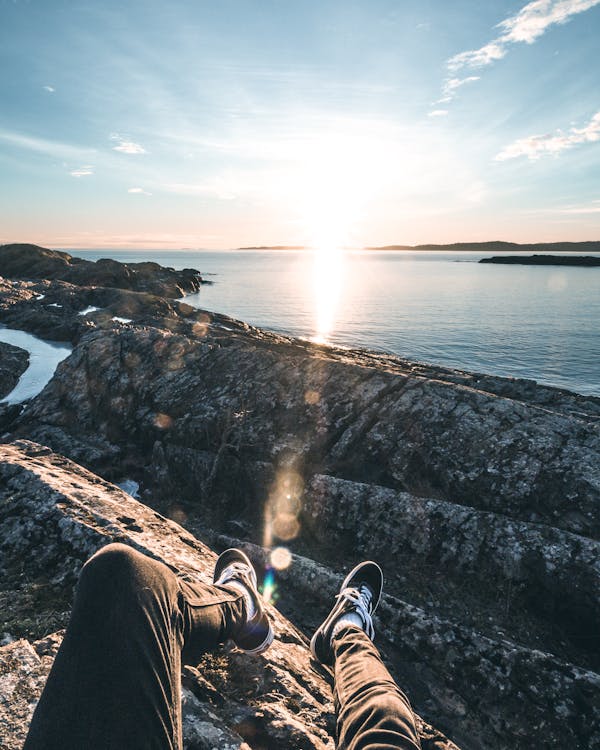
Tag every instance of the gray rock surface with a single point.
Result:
(24, 261)
(548, 574)
(528, 697)
(13, 363)
(53, 516)
(480, 495)
(286, 402)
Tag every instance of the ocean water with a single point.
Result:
(532, 322)
(44, 357)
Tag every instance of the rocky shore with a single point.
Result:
(13, 363)
(479, 495)
(34, 262)
(584, 261)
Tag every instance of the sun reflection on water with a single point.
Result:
(328, 281)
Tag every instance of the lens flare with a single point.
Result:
(281, 558)
(286, 526)
(163, 421)
(269, 589)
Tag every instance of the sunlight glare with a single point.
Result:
(334, 186)
(327, 288)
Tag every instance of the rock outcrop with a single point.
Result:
(329, 411)
(59, 311)
(22, 261)
(13, 363)
(586, 261)
(479, 494)
(53, 516)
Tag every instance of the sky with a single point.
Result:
(196, 124)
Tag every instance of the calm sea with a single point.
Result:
(445, 308)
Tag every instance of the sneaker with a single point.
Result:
(359, 595)
(233, 566)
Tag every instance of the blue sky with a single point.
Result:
(219, 124)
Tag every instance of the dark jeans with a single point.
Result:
(115, 683)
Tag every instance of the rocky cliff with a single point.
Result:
(479, 495)
(53, 516)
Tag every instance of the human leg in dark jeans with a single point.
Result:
(115, 682)
(372, 712)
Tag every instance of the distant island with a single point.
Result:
(544, 260)
(494, 246)
(497, 246)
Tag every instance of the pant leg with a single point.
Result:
(372, 712)
(115, 682)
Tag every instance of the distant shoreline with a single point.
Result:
(498, 246)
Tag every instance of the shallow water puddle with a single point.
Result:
(44, 357)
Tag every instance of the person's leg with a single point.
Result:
(115, 682)
(372, 712)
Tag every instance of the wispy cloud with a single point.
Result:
(138, 191)
(451, 86)
(594, 208)
(530, 23)
(572, 210)
(45, 146)
(125, 146)
(49, 89)
(535, 146)
(438, 113)
(82, 171)
(577, 210)
(527, 25)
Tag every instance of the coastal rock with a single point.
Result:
(23, 261)
(59, 311)
(528, 697)
(53, 516)
(240, 393)
(551, 574)
(479, 494)
(13, 363)
(585, 261)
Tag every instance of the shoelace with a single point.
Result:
(361, 600)
(235, 570)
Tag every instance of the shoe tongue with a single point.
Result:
(366, 592)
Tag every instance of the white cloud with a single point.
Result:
(129, 147)
(138, 191)
(477, 58)
(451, 86)
(49, 89)
(82, 171)
(438, 113)
(533, 20)
(535, 146)
(125, 146)
(527, 25)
